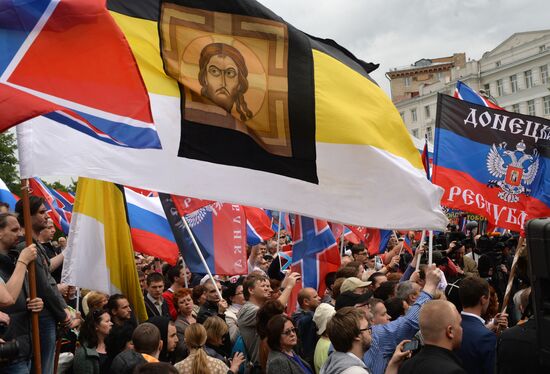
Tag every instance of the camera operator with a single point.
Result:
(456, 252)
(15, 348)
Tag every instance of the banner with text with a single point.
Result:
(491, 162)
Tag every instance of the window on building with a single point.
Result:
(542, 48)
(415, 133)
(427, 111)
(546, 101)
(500, 87)
(413, 115)
(439, 75)
(497, 64)
(515, 108)
(487, 88)
(407, 81)
(531, 107)
(429, 134)
(544, 74)
(528, 78)
(514, 83)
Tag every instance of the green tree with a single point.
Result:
(8, 162)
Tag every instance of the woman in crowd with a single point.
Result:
(91, 357)
(186, 316)
(95, 301)
(265, 313)
(235, 297)
(282, 339)
(198, 362)
(199, 297)
(216, 328)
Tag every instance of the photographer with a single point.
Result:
(15, 351)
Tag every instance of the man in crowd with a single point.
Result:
(147, 347)
(55, 310)
(408, 291)
(376, 280)
(478, 349)
(442, 333)
(154, 302)
(385, 337)
(13, 272)
(350, 335)
(379, 312)
(214, 305)
(308, 300)
(257, 291)
(45, 238)
(120, 310)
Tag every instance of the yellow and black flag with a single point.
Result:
(253, 111)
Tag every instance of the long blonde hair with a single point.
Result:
(195, 338)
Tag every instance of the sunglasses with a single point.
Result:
(290, 331)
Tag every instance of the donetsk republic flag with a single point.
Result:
(248, 110)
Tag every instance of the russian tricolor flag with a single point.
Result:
(151, 232)
(6, 196)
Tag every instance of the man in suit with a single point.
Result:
(478, 351)
(154, 302)
(440, 327)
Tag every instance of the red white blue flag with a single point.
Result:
(69, 62)
(151, 232)
(314, 251)
(464, 92)
(59, 209)
(258, 225)
(6, 196)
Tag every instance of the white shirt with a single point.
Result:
(474, 315)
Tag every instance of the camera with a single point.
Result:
(9, 350)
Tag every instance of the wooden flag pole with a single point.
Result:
(197, 248)
(342, 241)
(511, 276)
(185, 272)
(37, 360)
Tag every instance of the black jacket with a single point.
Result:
(46, 286)
(433, 360)
(152, 310)
(19, 328)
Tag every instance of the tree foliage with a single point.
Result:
(8, 162)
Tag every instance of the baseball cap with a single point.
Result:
(352, 283)
(323, 314)
(351, 299)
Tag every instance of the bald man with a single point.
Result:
(440, 327)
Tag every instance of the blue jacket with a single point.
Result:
(478, 350)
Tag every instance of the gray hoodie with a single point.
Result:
(338, 362)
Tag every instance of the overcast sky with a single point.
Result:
(399, 32)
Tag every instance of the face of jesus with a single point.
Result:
(222, 81)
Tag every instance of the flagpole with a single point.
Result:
(185, 272)
(421, 244)
(279, 240)
(430, 246)
(200, 255)
(342, 241)
(511, 276)
(31, 268)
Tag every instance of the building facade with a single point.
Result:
(515, 75)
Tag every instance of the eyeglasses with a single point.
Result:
(369, 329)
(290, 331)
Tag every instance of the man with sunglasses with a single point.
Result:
(350, 335)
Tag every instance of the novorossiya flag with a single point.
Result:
(243, 100)
(492, 163)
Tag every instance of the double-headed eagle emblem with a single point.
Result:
(515, 170)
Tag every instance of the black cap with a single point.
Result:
(351, 299)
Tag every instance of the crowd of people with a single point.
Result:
(381, 313)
